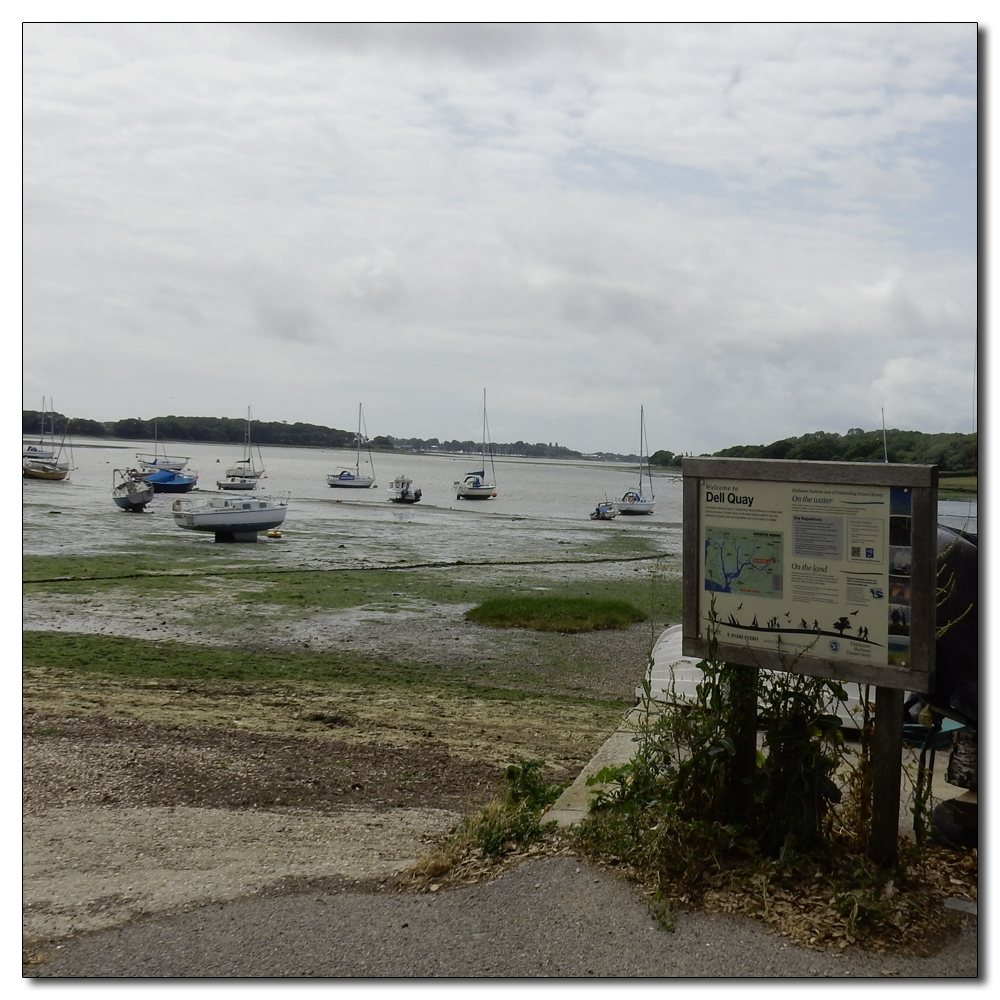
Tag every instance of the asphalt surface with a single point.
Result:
(551, 917)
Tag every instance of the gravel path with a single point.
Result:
(551, 917)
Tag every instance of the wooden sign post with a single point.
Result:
(826, 569)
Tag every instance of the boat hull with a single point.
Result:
(135, 500)
(636, 508)
(43, 470)
(237, 484)
(635, 503)
(166, 481)
(230, 517)
(168, 464)
(352, 483)
(474, 488)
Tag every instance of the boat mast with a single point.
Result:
(643, 441)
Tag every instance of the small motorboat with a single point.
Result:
(230, 519)
(169, 481)
(604, 511)
(130, 490)
(401, 490)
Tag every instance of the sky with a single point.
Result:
(751, 230)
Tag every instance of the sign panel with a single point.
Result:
(810, 575)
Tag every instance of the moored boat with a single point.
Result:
(604, 511)
(401, 490)
(475, 485)
(159, 459)
(230, 519)
(244, 472)
(34, 468)
(355, 479)
(46, 460)
(635, 501)
(130, 491)
(170, 481)
(236, 483)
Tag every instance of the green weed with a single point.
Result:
(555, 614)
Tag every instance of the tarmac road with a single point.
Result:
(550, 917)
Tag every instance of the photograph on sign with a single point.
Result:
(807, 569)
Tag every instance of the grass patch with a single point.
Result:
(647, 587)
(140, 659)
(958, 488)
(555, 614)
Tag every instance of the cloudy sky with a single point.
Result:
(755, 231)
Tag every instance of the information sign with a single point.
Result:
(823, 568)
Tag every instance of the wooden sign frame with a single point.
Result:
(825, 482)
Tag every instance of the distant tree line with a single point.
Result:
(951, 452)
(229, 429)
(516, 449)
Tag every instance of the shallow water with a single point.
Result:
(541, 510)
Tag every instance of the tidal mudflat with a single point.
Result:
(323, 690)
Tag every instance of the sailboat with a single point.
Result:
(475, 485)
(243, 474)
(230, 519)
(352, 478)
(635, 501)
(130, 491)
(155, 461)
(45, 460)
(45, 448)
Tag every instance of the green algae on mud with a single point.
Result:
(555, 614)
(651, 586)
(116, 656)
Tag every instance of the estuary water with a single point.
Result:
(541, 511)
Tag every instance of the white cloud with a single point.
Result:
(711, 219)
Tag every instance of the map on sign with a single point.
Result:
(744, 561)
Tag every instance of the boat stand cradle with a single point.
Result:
(236, 536)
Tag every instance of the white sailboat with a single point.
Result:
(476, 485)
(635, 501)
(353, 478)
(244, 473)
(155, 461)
